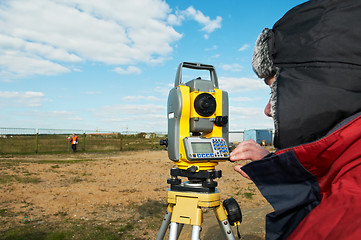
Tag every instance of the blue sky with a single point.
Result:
(109, 65)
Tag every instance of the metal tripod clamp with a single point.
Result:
(196, 66)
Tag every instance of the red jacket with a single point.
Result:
(315, 188)
(314, 183)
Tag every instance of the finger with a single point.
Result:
(245, 155)
(245, 146)
(239, 150)
(248, 150)
(238, 169)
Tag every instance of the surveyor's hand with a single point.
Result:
(247, 150)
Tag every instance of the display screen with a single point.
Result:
(202, 147)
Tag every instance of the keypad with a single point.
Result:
(220, 147)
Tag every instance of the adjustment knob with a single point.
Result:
(209, 184)
(221, 121)
(192, 169)
(233, 211)
(174, 181)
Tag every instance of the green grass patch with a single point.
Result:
(152, 208)
(3, 212)
(75, 231)
(27, 179)
(124, 228)
(5, 178)
(136, 222)
(248, 195)
(76, 179)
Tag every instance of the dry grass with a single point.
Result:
(118, 195)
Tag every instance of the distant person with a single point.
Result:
(311, 59)
(74, 142)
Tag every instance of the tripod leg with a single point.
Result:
(224, 223)
(196, 231)
(173, 231)
(164, 226)
(180, 229)
(227, 231)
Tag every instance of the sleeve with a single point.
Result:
(291, 190)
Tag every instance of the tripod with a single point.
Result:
(185, 203)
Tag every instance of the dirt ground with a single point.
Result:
(124, 191)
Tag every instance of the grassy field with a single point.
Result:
(114, 195)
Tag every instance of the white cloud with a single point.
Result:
(30, 94)
(232, 84)
(208, 24)
(241, 99)
(176, 19)
(235, 67)
(214, 47)
(46, 119)
(17, 63)
(163, 91)
(57, 113)
(27, 99)
(244, 47)
(43, 36)
(137, 117)
(215, 56)
(134, 110)
(246, 112)
(248, 117)
(141, 98)
(48, 37)
(129, 70)
(35, 48)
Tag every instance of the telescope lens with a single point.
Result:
(205, 104)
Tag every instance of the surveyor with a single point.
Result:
(74, 142)
(311, 59)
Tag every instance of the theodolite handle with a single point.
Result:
(196, 66)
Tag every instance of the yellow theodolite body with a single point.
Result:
(197, 121)
(197, 140)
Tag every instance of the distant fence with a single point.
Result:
(31, 140)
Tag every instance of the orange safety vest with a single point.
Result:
(74, 140)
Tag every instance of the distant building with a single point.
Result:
(236, 136)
